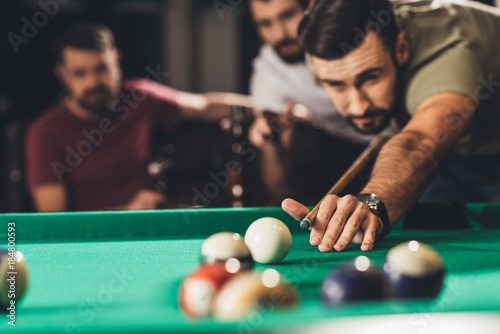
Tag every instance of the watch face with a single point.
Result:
(369, 199)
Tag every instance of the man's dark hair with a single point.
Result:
(303, 3)
(84, 36)
(333, 28)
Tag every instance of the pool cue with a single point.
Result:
(364, 158)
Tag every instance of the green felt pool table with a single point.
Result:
(119, 272)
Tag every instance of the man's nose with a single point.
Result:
(93, 80)
(358, 103)
(279, 31)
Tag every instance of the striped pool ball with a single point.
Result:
(223, 246)
(200, 287)
(13, 278)
(414, 270)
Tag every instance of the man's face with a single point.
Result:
(92, 77)
(277, 23)
(362, 85)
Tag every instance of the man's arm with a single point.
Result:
(144, 199)
(407, 161)
(212, 106)
(400, 173)
(52, 198)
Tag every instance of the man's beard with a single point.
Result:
(101, 107)
(387, 114)
(291, 58)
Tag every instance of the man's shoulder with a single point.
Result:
(266, 53)
(268, 59)
(268, 65)
(49, 120)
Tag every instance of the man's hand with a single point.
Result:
(50, 197)
(260, 131)
(145, 199)
(267, 122)
(340, 221)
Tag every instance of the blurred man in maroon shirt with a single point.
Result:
(90, 151)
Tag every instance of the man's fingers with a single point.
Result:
(295, 209)
(351, 228)
(358, 238)
(289, 109)
(373, 227)
(347, 221)
(258, 131)
(325, 212)
(345, 207)
(265, 129)
(256, 139)
(154, 198)
(283, 119)
(147, 199)
(161, 197)
(301, 112)
(369, 238)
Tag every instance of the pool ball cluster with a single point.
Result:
(226, 286)
(411, 270)
(13, 278)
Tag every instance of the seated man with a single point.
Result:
(429, 69)
(280, 78)
(91, 150)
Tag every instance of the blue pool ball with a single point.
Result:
(354, 283)
(12, 289)
(414, 270)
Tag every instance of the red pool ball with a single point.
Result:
(200, 287)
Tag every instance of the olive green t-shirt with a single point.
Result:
(455, 47)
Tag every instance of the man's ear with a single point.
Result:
(118, 55)
(59, 72)
(402, 49)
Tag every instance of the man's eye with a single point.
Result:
(336, 84)
(369, 79)
(287, 15)
(101, 69)
(264, 24)
(78, 74)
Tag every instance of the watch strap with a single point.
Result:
(384, 217)
(380, 211)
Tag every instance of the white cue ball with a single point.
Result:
(268, 239)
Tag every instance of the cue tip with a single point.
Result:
(305, 223)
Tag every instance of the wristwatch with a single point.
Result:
(377, 207)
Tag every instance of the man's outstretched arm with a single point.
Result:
(409, 159)
(400, 173)
(212, 106)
